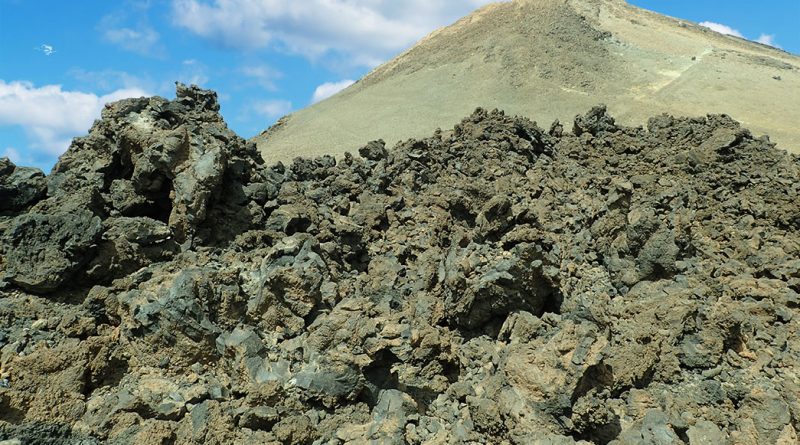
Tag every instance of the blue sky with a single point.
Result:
(60, 61)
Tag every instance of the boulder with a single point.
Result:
(20, 187)
(44, 252)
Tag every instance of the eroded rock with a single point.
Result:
(20, 187)
(491, 284)
(44, 252)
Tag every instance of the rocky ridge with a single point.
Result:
(496, 283)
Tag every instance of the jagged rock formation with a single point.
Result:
(497, 283)
(553, 59)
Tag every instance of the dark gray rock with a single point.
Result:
(374, 151)
(654, 429)
(128, 244)
(657, 258)
(517, 282)
(169, 161)
(43, 433)
(44, 252)
(259, 418)
(289, 284)
(6, 167)
(20, 187)
(330, 381)
(594, 122)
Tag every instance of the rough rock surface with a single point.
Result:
(496, 283)
(20, 187)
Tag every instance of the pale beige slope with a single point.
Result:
(553, 59)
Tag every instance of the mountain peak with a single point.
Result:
(552, 59)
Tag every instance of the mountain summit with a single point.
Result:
(553, 59)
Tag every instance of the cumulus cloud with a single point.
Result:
(272, 108)
(51, 116)
(767, 39)
(365, 32)
(328, 89)
(722, 29)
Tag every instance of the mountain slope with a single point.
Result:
(553, 59)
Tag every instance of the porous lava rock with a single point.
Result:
(20, 187)
(494, 283)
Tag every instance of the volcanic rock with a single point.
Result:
(44, 251)
(20, 187)
(496, 283)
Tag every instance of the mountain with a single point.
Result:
(554, 59)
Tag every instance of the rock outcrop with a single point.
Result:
(20, 187)
(496, 283)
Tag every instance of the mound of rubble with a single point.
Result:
(497, 283)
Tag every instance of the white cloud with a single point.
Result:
(141, 41)
(109, 80)
(139, 38)
(722, 29)
(48, 50)
(12, 154)
(50, 116)
(767, 39)
(364, 32)
(264, 75)
(272, 108)
(193, 72)
(328, 89)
